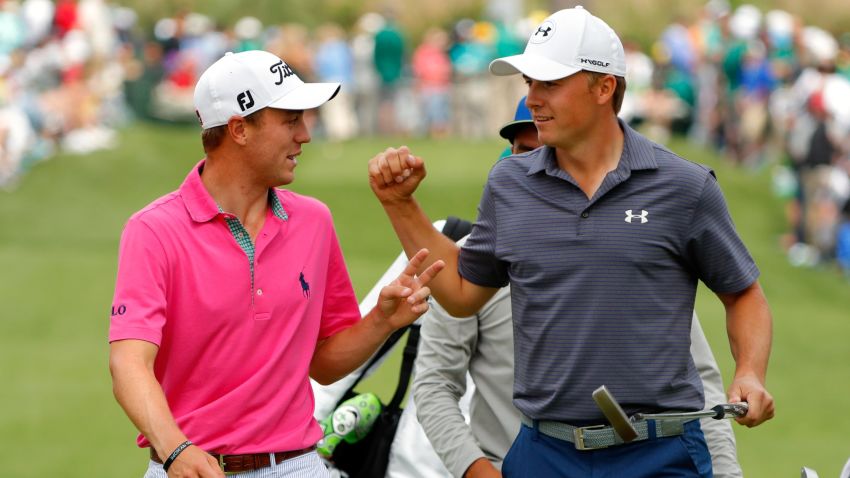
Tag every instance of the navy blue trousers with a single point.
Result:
(535, 455)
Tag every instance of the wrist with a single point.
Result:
(398, 204)
(379, 322)
(164, 445)
(748, 374)
(166, 464)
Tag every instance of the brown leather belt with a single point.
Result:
(249, 462)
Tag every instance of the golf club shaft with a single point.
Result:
(732, 410)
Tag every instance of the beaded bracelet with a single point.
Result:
(174, 454)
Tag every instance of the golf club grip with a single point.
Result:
(731, 410)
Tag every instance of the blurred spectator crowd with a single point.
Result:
(762, 88)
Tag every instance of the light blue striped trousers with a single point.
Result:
(308, 465)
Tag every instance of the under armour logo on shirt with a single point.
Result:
(643, 214)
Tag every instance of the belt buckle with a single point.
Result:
(222, 464)
(578, 434)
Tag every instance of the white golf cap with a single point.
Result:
(567, 42)
(246, 82)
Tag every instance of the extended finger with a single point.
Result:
(419, 295)
(420, 308)
(432, 270)
(415, 263)
(395, 291)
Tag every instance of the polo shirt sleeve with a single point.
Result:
(478, 262)
(139, 303)
(339, 309)
(714, 248)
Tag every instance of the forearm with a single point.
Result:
(439, 413)
(415, 231)
(750, 329)
(749, 326)
(140, 395)
(340, 354)
(445, 350)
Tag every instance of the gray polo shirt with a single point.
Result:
(603, 289)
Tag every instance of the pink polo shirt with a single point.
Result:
(233, 360)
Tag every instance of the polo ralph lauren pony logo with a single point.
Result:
(305, 286)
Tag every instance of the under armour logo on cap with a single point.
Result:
(543, 33)
(643, 216)
(566, 42)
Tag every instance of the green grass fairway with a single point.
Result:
(58, 242)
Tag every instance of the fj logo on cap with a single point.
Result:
(544, 32)
(642, 216)
(245, 100)
(283, 70)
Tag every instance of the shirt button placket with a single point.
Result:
(582, 223)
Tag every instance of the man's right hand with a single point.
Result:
(395, 174)
(482, 468)
(195, 463)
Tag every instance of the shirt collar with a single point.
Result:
(638, 153)
(201, 205)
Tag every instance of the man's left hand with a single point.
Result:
(751, 390)
(406, 298)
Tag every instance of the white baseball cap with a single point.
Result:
(244, 83)
(567, 42)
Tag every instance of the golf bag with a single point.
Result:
(369, 457)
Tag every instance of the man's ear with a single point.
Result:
(237, 129)
(605, 88)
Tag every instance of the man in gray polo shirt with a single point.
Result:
(482, 346)
(603, 236)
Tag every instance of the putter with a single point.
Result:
(731, 410)
(614, 413)
(807, 472)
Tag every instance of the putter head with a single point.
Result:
(807, 472)
(614, 413)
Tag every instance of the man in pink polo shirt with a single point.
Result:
(231, 293)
